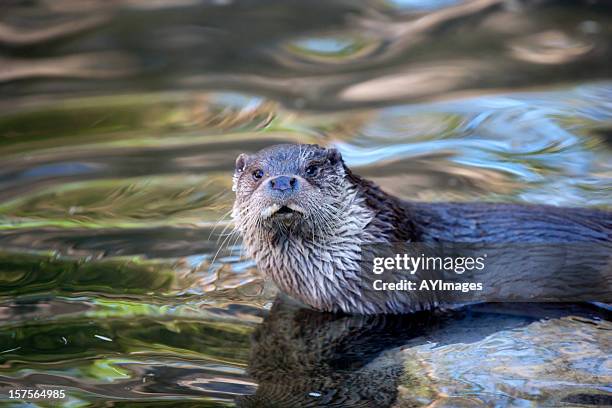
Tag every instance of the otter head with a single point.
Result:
(303, 217)
(289, 189)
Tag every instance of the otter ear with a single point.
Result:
(241, 162)
(334, 156)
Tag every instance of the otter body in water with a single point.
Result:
(305, 219)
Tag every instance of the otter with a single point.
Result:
(307, 220)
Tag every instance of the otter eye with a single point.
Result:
(311, 170)
(258, 174)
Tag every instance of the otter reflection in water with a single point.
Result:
(304, 358)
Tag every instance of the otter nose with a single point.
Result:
(283, 183)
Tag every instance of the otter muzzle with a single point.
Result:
(288, 211)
